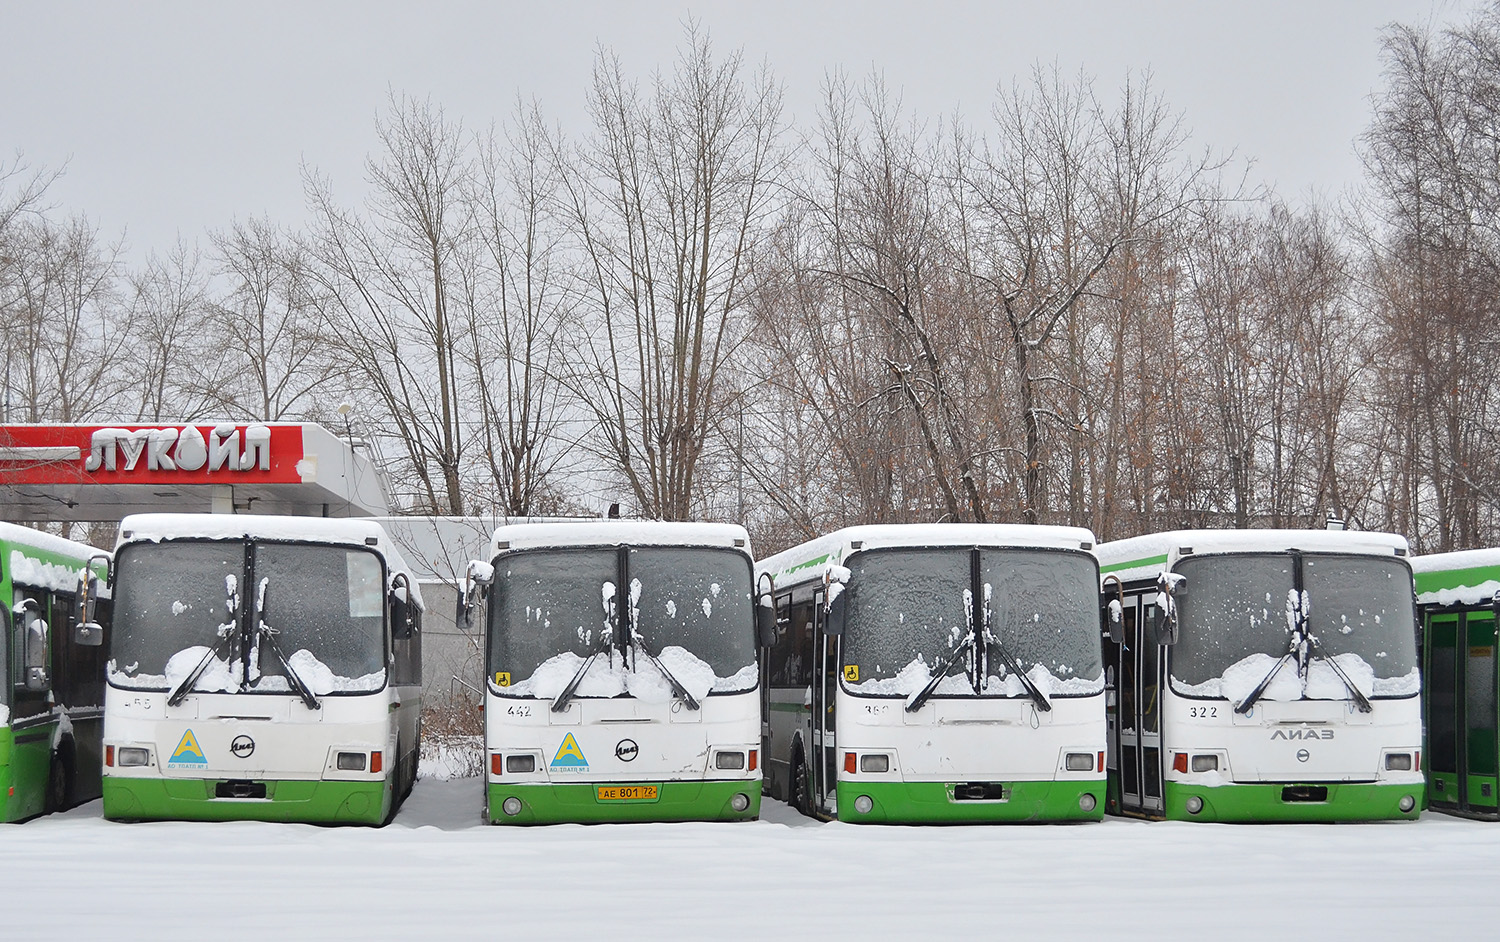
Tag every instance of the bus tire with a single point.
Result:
(57, 784)
(796, 787)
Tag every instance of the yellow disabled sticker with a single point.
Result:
(187, 751)
(851, 673)
(502, 678)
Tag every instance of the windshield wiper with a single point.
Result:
(1006, 658)
(677, 687)
(226, 634)
(266, 633)
(1360, 700)
(605, 638)
(1260, 688)
(915, 703)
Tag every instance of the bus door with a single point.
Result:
(824, 758)
(1461, 712)
(1137, 724)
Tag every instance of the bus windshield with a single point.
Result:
(1240, 615)
(689, 608)
(181, 603)
(910, 610)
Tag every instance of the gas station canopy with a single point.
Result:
(101, 473)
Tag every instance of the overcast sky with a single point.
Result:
(176, 118)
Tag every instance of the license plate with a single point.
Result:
(627, 792)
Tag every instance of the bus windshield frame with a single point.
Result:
(1376, 621)
(606, 600)
(991, 592)
(340, 650)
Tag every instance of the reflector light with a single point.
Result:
(875, 763)
(740, 802)
(375, 761)
(109, 756)
(1079, 762)
(1417, 763)
(134, 756)
(1205, 763)
(511, 806)
(863, 804)
(849, 763)
(1179, 762)
(1101, 763)
(497, 763)
(525, 763)
(729, 760)
(1194, 804)
(1087, 802)
(349, 761)
(754, 759)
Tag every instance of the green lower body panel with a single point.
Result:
(936, 803)
(580, 803)
(312, 802)
(1270, 802)
(24, 768)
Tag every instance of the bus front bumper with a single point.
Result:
(1278, 802)
(580, 803)
(190, 799)
(939, 803)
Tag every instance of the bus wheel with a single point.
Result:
(57, 785)
(797, 795)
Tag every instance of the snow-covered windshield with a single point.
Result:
(1237, 613)
(690, 606)
(169, 598)
(908, 609)
(323, 605)
(326, 605)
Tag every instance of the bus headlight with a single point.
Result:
(133, 756)
(511, 806)
(1406, 803)
(874, 762)
(863, 804)
(740, 801)
(729, 760)
(1087, 802)
(351, 762)
(1209, 763)
(1079, 762)
(1398, 762)
(1194, 804)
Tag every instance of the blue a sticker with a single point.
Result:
(187, 752)
(569, 756)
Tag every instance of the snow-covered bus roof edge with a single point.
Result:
(47, 542)
(835, 547)
(1143, 556)
(1466, 577)
(615, 532)
(336, 531)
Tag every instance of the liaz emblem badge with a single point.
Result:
(187, 754)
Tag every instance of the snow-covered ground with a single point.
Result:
(438, 873)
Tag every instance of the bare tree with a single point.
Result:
(667, 198)
(389, 278)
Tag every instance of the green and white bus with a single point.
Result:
(622, 678)
(262, 668)
(1262, 675)
(937, 673)
(1458, 595)
(52, 697)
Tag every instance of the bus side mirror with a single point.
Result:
(765, 622)
(401, 607)
(1165, 627)
(834, 623)
(34, 656)
(480, 575)
(89, 634)
(1114, 621)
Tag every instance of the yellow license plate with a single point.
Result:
(627, 792)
